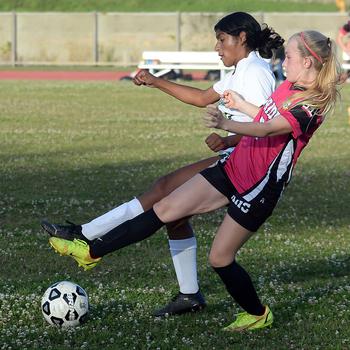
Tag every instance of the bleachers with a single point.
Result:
(162, 62)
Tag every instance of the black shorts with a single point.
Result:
(249, 214)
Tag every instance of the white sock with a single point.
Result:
(183, 253)
(113, 218)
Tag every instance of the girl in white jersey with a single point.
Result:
(276, 136)
(240, 43)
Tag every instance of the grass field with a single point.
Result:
(74, 150)
(167, 5)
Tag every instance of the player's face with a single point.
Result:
(231, 49)
(294, 63)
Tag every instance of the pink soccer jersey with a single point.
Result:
(268, 161)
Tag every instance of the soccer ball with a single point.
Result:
(65, 304)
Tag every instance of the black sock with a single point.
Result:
(131, 231)
(78, 230)
(240, 287)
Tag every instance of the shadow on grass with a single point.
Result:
(85, 192)
(82, 193)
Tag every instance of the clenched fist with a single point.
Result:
(144, 77)
(213, 118)
(216, 142)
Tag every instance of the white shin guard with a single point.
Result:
(113, 218)
(183, 253)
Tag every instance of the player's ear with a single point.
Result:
(242, 37)
(307, 62)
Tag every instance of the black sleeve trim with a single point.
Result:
(305, 116)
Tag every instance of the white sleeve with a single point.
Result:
(220, 86)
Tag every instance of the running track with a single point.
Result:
(70, 75)
(60, 75)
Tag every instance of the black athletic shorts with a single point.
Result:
(249, 214)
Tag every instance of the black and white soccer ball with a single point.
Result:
(65, 304)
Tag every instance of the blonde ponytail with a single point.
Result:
(323, 93)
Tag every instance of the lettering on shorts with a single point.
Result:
(244, 206)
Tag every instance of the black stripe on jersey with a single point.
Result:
(286, 176)
(305, 116)
(271, 174)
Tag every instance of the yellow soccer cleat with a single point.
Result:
(77, 249)
(245, 321)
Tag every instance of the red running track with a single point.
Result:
(60, 75)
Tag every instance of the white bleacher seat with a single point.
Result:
(162, 62)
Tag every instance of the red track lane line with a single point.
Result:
(60, 75)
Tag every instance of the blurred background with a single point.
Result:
(115, 33)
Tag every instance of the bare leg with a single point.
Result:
(196, 196)
(182, 241)
(229, 239)
(168, 183)
(126, 211)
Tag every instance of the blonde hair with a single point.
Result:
(323, 93)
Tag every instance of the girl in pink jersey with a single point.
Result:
(241, 42)
(250, 181)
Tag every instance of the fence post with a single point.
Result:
(14, 39)
(178, 31)
(95, 35)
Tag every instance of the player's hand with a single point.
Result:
(213, 118)
(216, 142)
(232, 99)
(143, 77)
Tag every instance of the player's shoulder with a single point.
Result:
(307, 116)
(258, 69)
(304, 110)
(256, 63)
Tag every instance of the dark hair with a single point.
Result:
(346, 27)
(263, 39)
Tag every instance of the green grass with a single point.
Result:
(74, 150)
(167, 5)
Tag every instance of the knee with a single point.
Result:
(163, 209)
(219, 258)
(180, 229)
(160, 187)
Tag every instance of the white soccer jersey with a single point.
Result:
(252, 79)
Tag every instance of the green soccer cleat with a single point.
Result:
(77, 249)
(245, 321)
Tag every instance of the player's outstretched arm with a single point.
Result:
(276, 126)
(187, 94)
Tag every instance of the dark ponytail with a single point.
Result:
(262, 39)
(268, 42)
